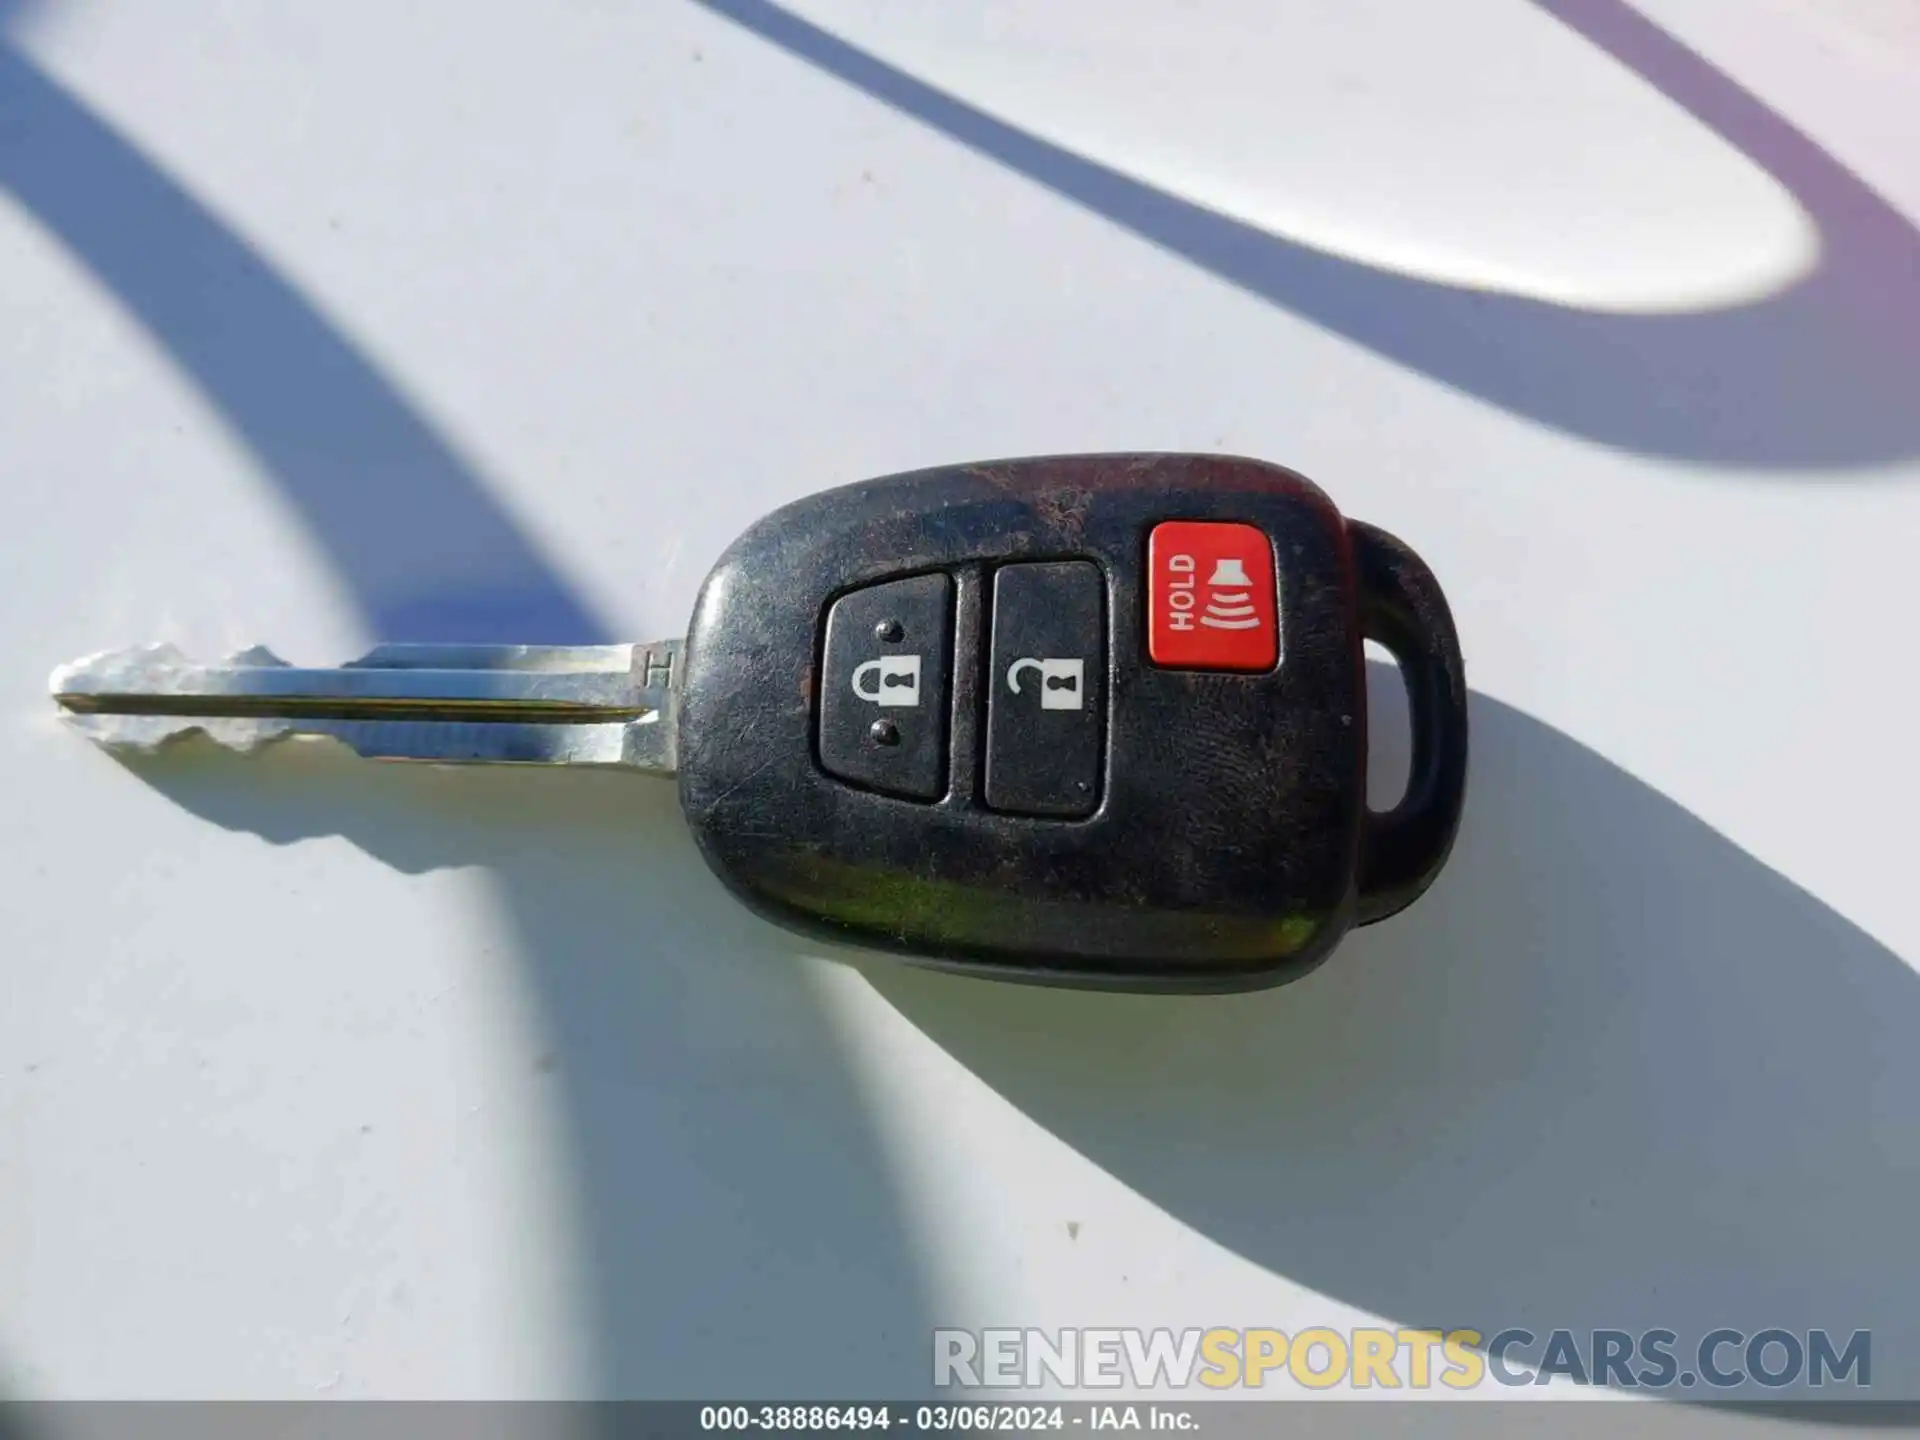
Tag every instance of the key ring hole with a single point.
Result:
(1389, 731)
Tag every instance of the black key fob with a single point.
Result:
(1090, 720)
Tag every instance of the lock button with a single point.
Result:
(884, 681)
(1047, 701)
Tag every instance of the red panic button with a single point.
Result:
(1210, 600)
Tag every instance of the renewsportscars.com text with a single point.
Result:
(1371, 1358)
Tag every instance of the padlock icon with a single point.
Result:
(896, 680)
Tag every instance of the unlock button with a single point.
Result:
(1047, 702)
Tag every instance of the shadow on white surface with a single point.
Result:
(1816, 377)
(1611, 1072)
(427, 552)
(741, 1228)
(742, 1236)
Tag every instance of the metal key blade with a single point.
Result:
(613, 705)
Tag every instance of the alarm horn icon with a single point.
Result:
(1230, 598)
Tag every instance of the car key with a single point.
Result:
(1091, 720)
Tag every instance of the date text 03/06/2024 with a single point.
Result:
(943, 1418)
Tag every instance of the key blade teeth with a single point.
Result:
(108, 669)
(255, 657)
(147, 669)
(149, 734)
